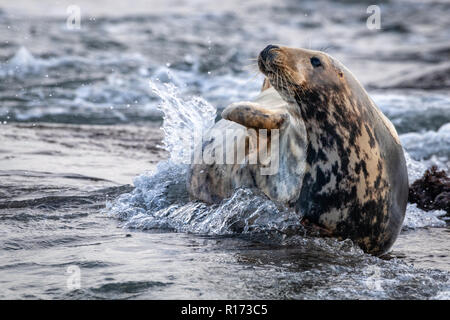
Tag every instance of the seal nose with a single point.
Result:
(265, 54)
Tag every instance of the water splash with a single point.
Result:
(21, 64)
(160, 199)
(184, 121)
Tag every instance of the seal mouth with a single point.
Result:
(265, 59)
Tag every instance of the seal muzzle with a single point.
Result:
(265, 56)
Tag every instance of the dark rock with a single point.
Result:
(432, 191)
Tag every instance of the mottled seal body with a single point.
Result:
(355, 183)
(216, 180)
(349, 179)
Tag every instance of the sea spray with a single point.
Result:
(184, 120)
(160, 199)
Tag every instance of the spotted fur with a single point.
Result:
(355, 183)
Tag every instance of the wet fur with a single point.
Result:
(355, 183)
(351, 182)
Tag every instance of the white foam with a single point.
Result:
(414, 111)
(23, 62)
(160, 204)
(415, 168)
(396, 104)
(417, 218)
(443, 295)
(423, 145)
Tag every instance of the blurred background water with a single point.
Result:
(79, 121)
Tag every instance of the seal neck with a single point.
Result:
(333, 125)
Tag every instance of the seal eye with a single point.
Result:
(315, 62)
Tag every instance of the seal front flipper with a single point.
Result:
(267, 111)
(253, 115)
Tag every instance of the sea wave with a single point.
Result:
(425, 145)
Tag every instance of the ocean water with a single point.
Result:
(92, 189)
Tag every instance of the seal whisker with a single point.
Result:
(253, 78)
(252, 67)
(278, 78)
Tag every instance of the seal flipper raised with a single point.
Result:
(213, 181)
(268, 111)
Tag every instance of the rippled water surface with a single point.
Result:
(89, 180)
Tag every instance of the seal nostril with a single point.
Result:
(266, 52)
